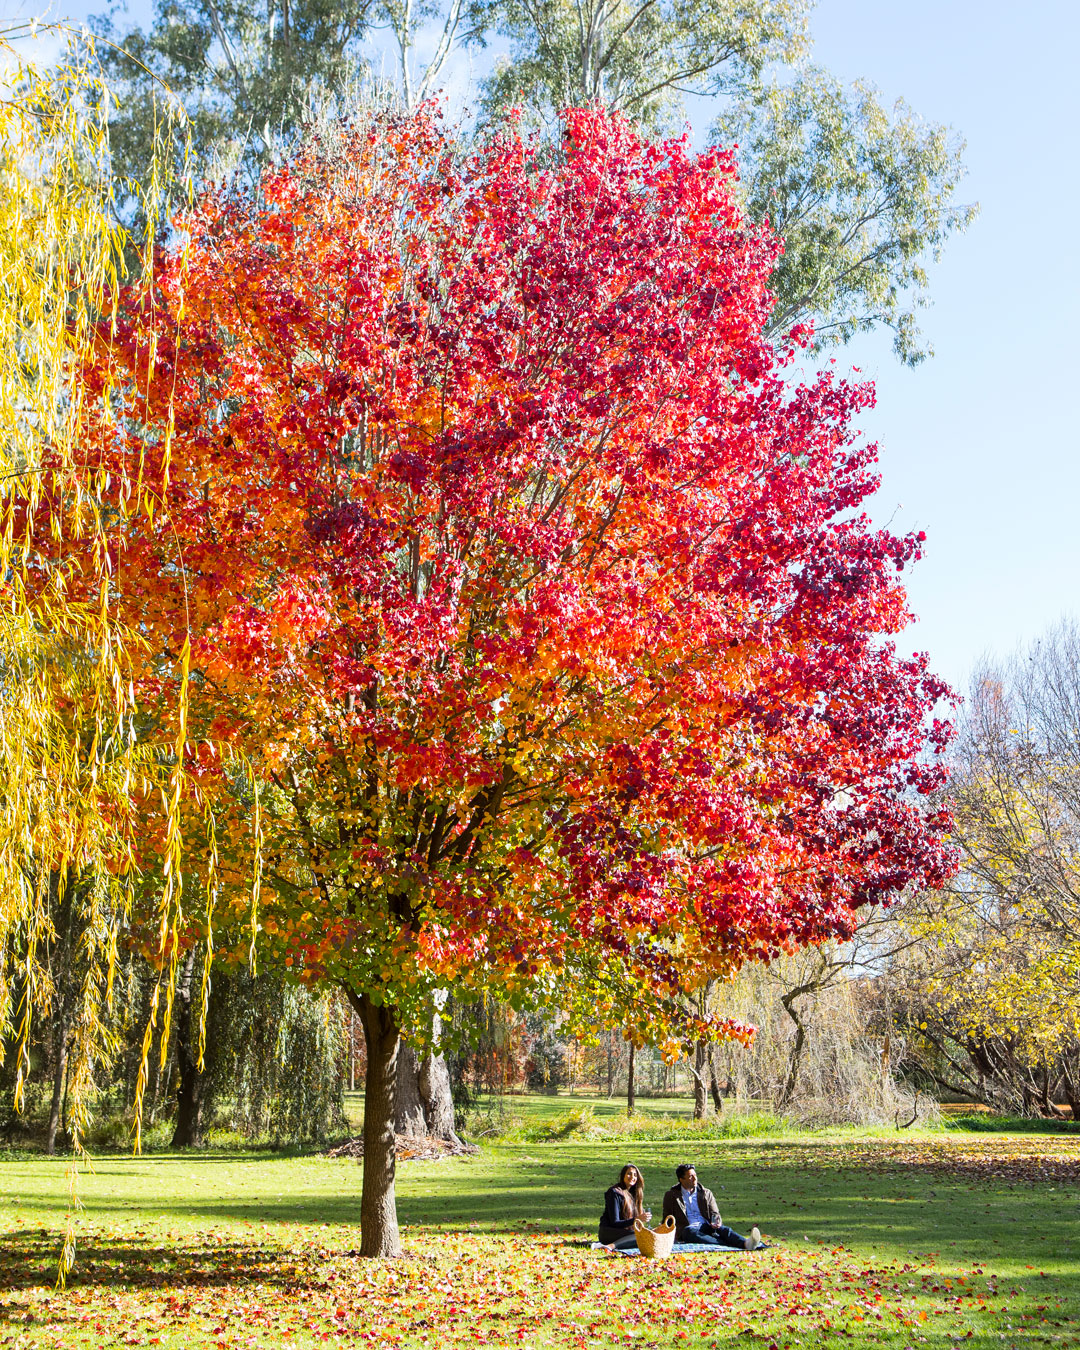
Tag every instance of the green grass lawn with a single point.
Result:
(901, 1241)
(537, 1108)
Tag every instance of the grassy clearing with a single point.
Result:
(895, 1242)
(536, 1108)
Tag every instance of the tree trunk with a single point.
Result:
(630, 1101)
(425, 1099)
(1047, 1092)
(409, 1115)
(701, 1095)
(378, 1203)
(796, 1050)
(189, 1097)
(61, 901)
(714, 1084)
(58, 1090)
(438, 1098)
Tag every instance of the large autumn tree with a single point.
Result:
(534, 596)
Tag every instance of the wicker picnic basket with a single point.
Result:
(655, 1241)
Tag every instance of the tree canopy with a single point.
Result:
(864, 198)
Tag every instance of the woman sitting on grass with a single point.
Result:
(623, 1203)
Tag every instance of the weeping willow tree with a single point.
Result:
(74, 772)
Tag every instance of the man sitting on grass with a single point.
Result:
(696, 1216)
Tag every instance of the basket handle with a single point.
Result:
(668, 1226)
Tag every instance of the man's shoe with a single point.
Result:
(753, 1242)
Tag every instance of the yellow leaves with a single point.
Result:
(1003, 973)
(70, 764)
(59, 245)
(671, 1051)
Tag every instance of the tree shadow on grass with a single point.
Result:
(28, 1260)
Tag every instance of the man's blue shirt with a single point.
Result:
(694, 1216)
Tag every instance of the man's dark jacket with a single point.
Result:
(673, 1204)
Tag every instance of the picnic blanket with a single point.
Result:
(681, 1249)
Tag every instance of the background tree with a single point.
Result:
(638, 59)
(995, 984)
(249, 74)
(276, 1055)
(849, 1049)
(243, 71)
(1019, 789)
(988, 1008)
(272, 1069)
(503, 542)
(863, 198)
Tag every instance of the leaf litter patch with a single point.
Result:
(414, 1147)
(1016, 1160)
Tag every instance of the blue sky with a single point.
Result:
(980, 444)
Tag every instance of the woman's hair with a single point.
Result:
(636, 1194)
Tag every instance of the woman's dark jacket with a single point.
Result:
(618, 1211)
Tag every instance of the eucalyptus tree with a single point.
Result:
(242, 70)
(250, 72)
(639, 57)
(864, 197)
